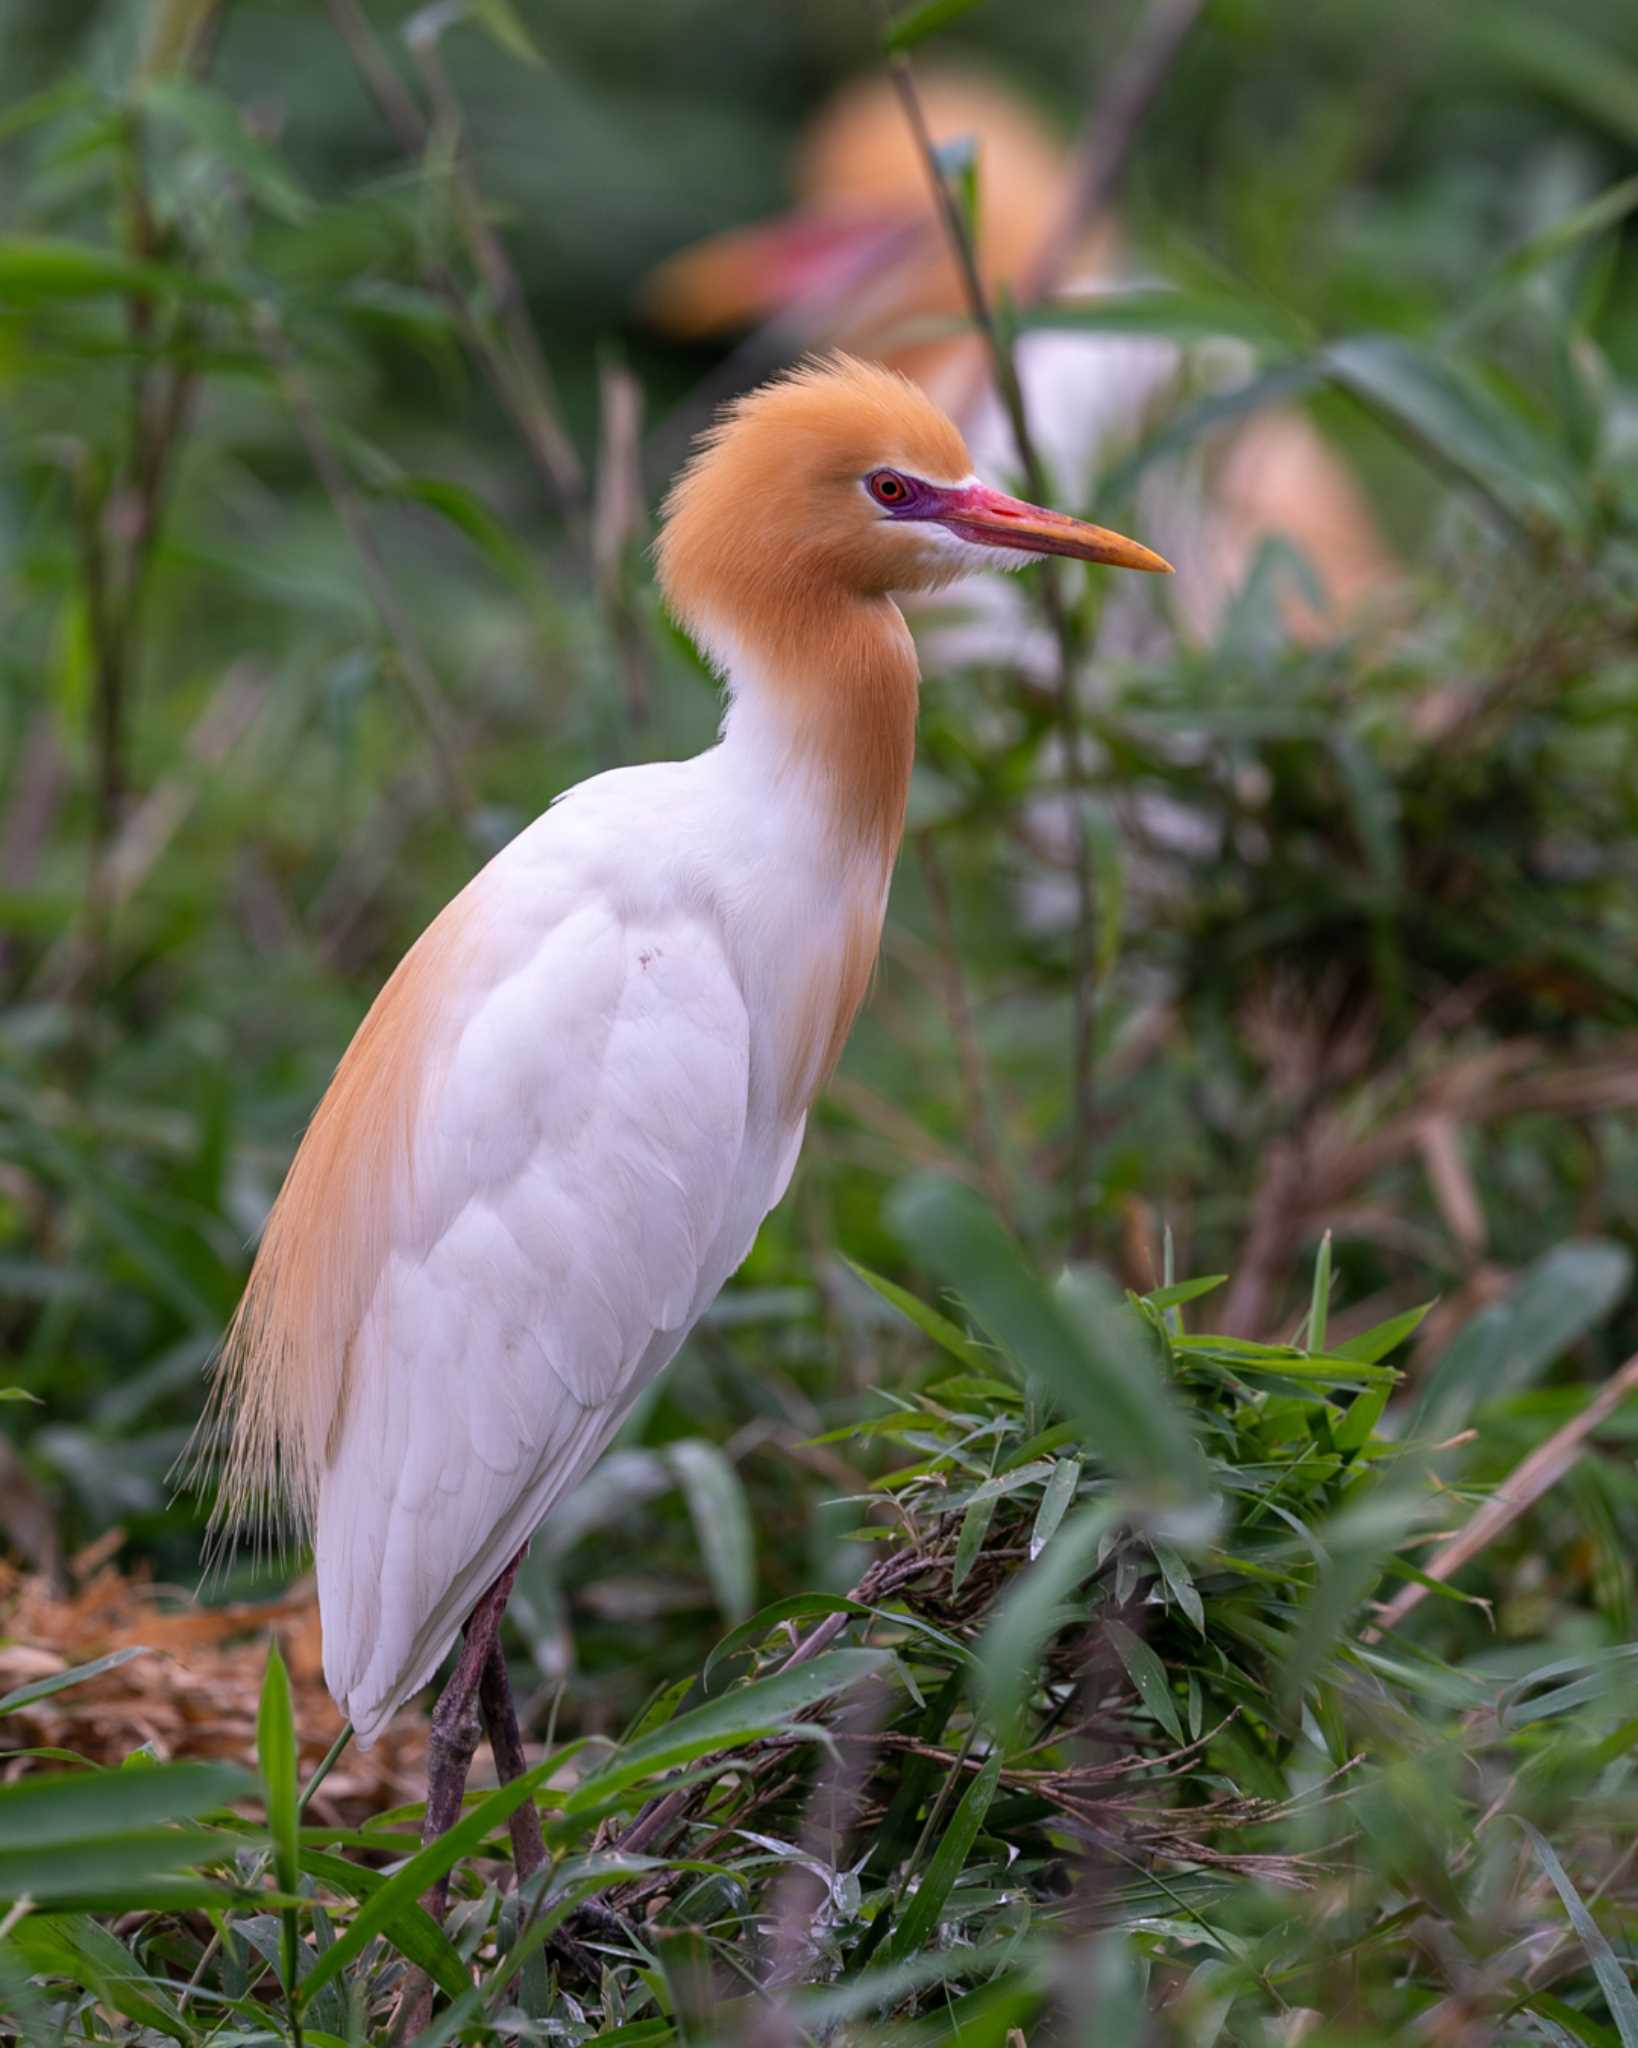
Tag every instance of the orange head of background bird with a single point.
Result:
(862, 259)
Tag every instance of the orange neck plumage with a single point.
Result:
(841, 691)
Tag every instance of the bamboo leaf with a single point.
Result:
(1060, 1491)
(722, 1523)
(1148, 1674)
(742, 1715)
(921, 1912)
(1612, 1978)
(928, 1320)
(1094, 1357)
(34, 268)
(917, 23)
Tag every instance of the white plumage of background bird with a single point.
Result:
(561, 1123)
(863, 262)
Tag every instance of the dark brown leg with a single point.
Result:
(450, 1744)
(500, 1722)
(454, 1734)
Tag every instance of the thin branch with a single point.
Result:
(1083, 959)
(386, 88)
(1109, 135)
(529, 377)
(972, 283)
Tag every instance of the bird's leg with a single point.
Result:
(455, 1719)
(450, 1743)
(589, 1919)
(500, 1720)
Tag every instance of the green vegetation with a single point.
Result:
(1009, 1652)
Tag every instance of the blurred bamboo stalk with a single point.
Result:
(152, 825)
(969, 1056)
(511, 359)
(617, 517)
(121, 512)
(1109, 134)
(414, 667)
(1083, 957)
(179, 37)
(1108, 138)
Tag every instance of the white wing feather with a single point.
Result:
(573, 1205)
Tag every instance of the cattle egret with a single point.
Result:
(862, 262)
(568, 1111)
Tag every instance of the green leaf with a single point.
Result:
(276, 1753)
(68, 1807)
(20, 1394)
(1354, 1431)
(1612, 1978)
(975, 1526)
(121, 1873)
(415, 1934)
(1587, 75)
(505, 24)
(928, 1320)
(1148, 1674)
(1607, 210)
(1183, 1291)
(921, 1912)
(1034, 1608)
(1510, 1344)
(799, 1607)
(745, 1714)
(722, 1523)
(1176, 315)
(1605, 1675)
(44, 106)
(74, 1946)
(1090, 1351)
(1180, 1583)
(216, 124)
(380, 1913)
(1374, 1344)
(1319, 1302)
(1356, 1544)
(1060, 1491)
(915, 24)
(34, 268)
(1438, 407)
(469, 515)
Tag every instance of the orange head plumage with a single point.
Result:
(832, 486)
(809, 502)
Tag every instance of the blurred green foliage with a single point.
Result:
(298, 627)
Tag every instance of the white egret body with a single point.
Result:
(560, 1125)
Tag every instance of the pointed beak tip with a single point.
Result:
(995, 520)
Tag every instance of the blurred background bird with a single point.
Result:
(863, 261)
(564, 1118)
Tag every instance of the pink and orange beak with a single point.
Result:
(993, 520)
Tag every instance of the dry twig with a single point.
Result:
(1537, 1474)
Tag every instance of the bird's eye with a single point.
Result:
(887, 487)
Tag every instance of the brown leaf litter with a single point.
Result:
(194, 1694)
